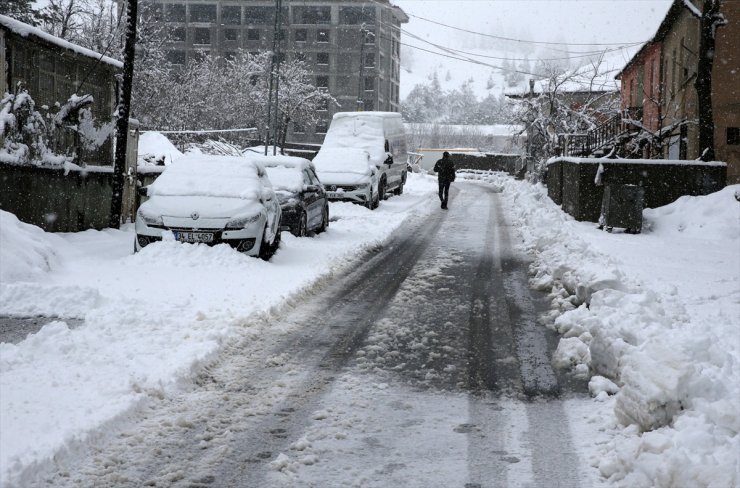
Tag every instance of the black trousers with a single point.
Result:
(444, 190)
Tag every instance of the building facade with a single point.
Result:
(659, 84)
(352, 47)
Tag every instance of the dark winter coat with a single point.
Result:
(445, 169)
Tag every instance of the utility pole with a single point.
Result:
(271, 126)
(124, 111)
(364, 32)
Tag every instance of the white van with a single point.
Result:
(382, 138)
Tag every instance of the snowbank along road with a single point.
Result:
(422, 367)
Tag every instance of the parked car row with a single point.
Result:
(248, 201)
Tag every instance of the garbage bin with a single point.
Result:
(622, 207)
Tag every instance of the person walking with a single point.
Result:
(445, 170)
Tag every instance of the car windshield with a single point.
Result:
(342, 160)
(210, 176)
(285, 179)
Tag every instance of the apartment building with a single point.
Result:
(352, 47)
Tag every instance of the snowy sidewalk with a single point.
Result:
(659, 315)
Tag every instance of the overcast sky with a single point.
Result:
(593, 22)
(579, 21)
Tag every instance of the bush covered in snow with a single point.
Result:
(42, 137)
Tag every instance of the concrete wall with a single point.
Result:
(55, 201)
(490, 162)
(572, 184)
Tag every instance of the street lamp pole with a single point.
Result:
(360, 102)
(274, 78)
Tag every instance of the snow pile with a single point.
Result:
(26, 252)
(657, 316)
(152, 320)
(156, 149)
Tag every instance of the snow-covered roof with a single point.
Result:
(680, 162)
(26, 30)
(211, 176)
(285, 172)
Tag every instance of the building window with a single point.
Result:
(300, 35)
(322, 105)
(176, 57)
(321, 127)
(311, 15)
(369, 37)
(369, 60)
(323, 35)
(322, 82)
(253, 35)
(177, 34)
(202, 13)
(231, 15)
(202, 35)
(299, 56)
(322, 59)
(259, 15)
(733, 136)
(282, 35)
(356, 15)
(231, 34)
(175, 13)
(369, 83)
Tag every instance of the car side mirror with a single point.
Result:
(143, 191)
(312, 188)
(389, 160)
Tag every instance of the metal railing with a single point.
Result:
(606, 133)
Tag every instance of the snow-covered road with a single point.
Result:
(422, 367)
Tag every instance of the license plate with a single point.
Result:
(194, 237)
(334, 194)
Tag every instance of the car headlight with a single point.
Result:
(152, 220)
(239, 223)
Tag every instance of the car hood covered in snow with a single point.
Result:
(345, 166)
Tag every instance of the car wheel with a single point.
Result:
(267, 249)
(302, 228)
(375, 203)
(370, 201)
(382, 195)
(399, 190)
(324, 220)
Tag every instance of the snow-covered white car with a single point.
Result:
(212, 200)
(348, 175)
(300, 193)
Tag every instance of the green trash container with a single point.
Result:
(622, 207)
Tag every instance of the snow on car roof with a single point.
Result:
(286, 178)
(361, 132)
(212, 176)
(342, 160)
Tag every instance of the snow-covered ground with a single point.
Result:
(151, 319)
(654, 319)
